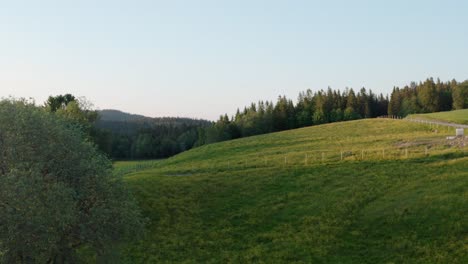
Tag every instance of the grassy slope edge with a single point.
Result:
(218, 203)
(457, 116)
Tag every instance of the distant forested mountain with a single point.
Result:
(127, 136)
(116, 115)
(119, 116)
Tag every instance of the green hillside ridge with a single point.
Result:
(117, 115)
(457, 116)
(353, 192)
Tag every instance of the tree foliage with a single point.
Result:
(427, 97)
(125, 136)
(77, 110)
(136, 137)
(326, 106)
(146, 140)
(311, 109)
(57, 194)
(460, 96)
(55, 103)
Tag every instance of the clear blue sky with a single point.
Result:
(205, 58)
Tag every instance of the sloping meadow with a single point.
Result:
(362, 191)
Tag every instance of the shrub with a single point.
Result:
(57, 192)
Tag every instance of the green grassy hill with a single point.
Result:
(368, 191)
(457, 116)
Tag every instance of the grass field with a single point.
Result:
(457, 116)
(355, 192)
(122, 168)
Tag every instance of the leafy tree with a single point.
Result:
(78, 111)
(57, 193)
(54, 103)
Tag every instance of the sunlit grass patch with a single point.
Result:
(457, 116)
(226, 203)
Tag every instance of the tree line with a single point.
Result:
(428, 97)
(311, 108)
(125, 136)
(326, 106)
(148, 138)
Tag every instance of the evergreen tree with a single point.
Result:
(332, 105)
(460, 96)
(350, 112)
(280, 114)
(395, 102)
(429, 97)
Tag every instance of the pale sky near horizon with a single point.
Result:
(205, 58)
